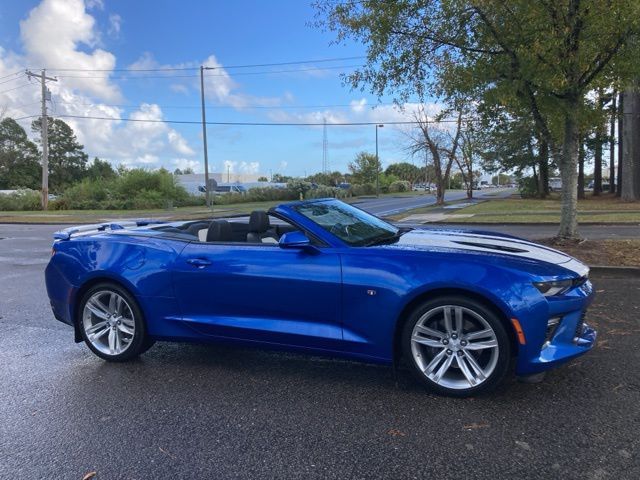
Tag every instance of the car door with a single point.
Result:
(261, 293)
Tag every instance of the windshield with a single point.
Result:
(351, 225)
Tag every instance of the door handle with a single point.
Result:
(199, 262)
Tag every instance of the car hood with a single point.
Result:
(488, 243)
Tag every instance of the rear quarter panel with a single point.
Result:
(141, 264)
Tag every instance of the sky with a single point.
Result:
(99, 50)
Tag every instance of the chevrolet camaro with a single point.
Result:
(460, 308)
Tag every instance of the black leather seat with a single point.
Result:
(195, 228)
(219, 231)
(259, 228)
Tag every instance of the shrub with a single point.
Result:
(399, 186)
(363, 189)
(528, 187)
(20, 200)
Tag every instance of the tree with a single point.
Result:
(547, 54)
(177, 171)
(630, 178)
(404, 171)
(100, 170)
(441, 145)
(67, 160)
(263, 179)
(365, 168)
(19, 166)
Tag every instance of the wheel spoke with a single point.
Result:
(465, 370)
(479, 334)
(429, 342)
(97, 308)
(434, 362)
(95, 336)
(474, 365)
(459, 320)
(95, 327)
(123, 328)
(442, 370)
(118, 342)
(113, 299)
(429, 331)
(493, 343)
(112, 341)
(447, 320)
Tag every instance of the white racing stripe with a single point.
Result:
(487, 243)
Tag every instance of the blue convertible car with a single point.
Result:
(458, 307)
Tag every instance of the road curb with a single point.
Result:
(533, 224)
(620, 272)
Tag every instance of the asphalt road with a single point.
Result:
(194, 411)
(391, 205)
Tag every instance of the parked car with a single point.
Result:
(324, 277)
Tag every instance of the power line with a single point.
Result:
(265, 72)
(11, 74)
(10, 80)
(174, 69)
(222, 107)
(16, 88)
(259, 124)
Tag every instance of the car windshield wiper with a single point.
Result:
(388, 239)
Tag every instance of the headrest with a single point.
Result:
(219, 231)
(259, 221)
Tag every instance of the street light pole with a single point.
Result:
(204, 139)
(377, 162)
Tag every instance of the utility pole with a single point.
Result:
(204, 139)
(44, 133)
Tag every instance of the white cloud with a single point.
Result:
(52, 35)
(283, 165)
(184, 163)
(249, 167)
(178, 143)
(115, 23)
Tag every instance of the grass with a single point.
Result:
(604, 209)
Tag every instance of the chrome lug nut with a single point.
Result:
(445, 341)
(449, 352)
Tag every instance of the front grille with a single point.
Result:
(580, 325)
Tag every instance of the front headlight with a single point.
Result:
(556, 287)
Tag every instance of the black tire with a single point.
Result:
(139, 343)
(456, 383)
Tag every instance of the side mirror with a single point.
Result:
(294, 240)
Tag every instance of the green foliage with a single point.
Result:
(330, 179)
(19, 166)
(399, 186)
(100, 170)
(405, 171)
(364, 168)
(20, 200)
(67, 160)
(528, 187)
(358, 190)
(131, 189)
(263, 179)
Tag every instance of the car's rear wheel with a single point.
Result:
(111, 323)
(456, 346)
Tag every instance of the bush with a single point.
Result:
(528, 187)
(363, 189)
(399, 186)
(20, 200)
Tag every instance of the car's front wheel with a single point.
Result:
(111, 323)
(456, 346)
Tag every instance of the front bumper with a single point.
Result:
(573, 336)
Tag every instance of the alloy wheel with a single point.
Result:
(108, 322)
(454, 347)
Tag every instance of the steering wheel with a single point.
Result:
(340, 230)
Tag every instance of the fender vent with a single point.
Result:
(500, 248)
